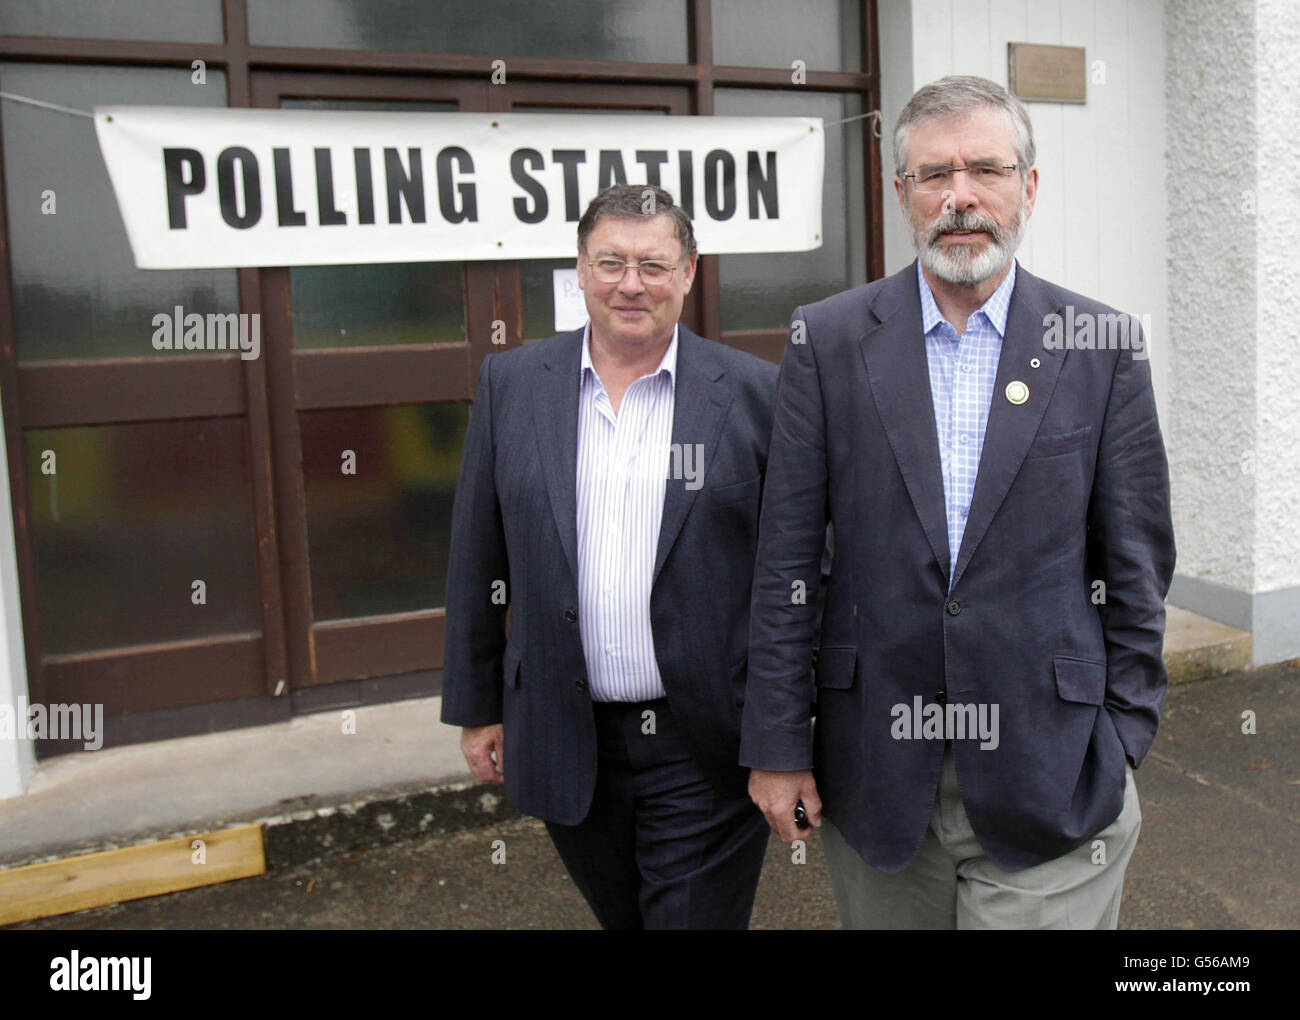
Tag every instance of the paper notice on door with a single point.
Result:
(570, 308)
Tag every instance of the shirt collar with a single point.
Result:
(995, 309)
(668, 363)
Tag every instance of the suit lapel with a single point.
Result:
(894, 350)
(1011, 427)
(700, 403)
(555, 424)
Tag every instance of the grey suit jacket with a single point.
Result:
(515, 520)
(1072, 489)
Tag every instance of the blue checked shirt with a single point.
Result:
(963, 371)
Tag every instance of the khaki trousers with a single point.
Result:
(953, 884)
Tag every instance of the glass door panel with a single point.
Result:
(534, 280)
(377, 367)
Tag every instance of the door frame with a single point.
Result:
(49, 394)
(321, 652)
(517, 97)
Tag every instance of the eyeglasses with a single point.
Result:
(982, 175)
(613, 270)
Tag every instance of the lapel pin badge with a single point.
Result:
(1017, 392)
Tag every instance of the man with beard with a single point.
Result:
(987, 670)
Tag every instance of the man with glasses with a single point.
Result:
(609, 497)
(989, 670)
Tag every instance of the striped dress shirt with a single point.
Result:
(963, 371)
(621, 479)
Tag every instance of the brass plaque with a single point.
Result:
(1047, 74)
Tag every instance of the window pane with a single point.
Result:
(825, 34)
(575, 29)
(388, 303)
(141, 20)
(537, 276)
(537, 281)
(131, 516)
(378, 539)
(77, 293)
(760, 291)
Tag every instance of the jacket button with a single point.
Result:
(570, 615)
(954, 607)
(580, 684)
(941, 698)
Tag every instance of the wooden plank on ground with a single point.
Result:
(130, 873)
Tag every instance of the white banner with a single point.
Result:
(213, 188)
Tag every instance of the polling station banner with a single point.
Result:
(216, 188)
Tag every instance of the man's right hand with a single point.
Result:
(776, 794)
(484, 751)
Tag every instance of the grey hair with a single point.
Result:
(637, 201)
(960, 94)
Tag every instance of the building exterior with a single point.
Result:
(134, 474)
(131, 474)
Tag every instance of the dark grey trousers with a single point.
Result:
(660, 847)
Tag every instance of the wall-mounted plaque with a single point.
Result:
(1047, 74)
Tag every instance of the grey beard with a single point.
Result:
(960, 264)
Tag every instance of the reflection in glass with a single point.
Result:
(386, 303)
(760, 291)
(137, 20)
(125, 518)
(77, 293)
(825, 34)
(378, 539)
(577, 29)
(536, 278)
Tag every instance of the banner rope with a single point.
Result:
(48, 106)
(875, 115)
(876, 121)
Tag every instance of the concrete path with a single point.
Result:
(1220, 848)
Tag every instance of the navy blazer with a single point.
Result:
(1073, 488)
(515, 519)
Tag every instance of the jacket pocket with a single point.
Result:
(1055, 443)
(510, 667)
(836, 667)
(1080, 680)
(740, 492)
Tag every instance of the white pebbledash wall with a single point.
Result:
(1233, 97)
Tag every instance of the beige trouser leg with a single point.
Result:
(953, 884)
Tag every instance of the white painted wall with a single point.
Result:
(17, 761)
(1143, 197)
(1099, 225)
